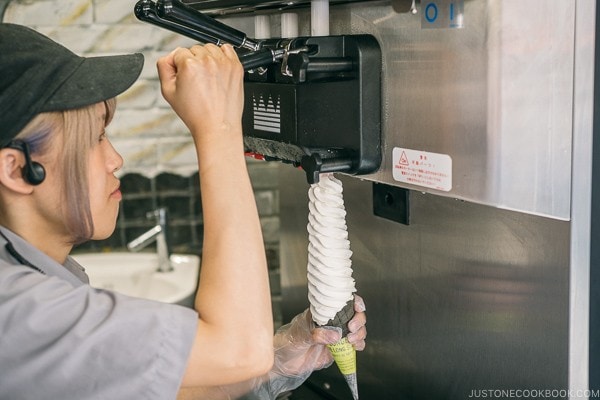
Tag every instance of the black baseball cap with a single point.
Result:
(39, 75)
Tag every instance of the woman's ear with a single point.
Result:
(12, 163)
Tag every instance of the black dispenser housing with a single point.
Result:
(314, 102)
(320, 107)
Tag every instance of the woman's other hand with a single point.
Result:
(204, 85)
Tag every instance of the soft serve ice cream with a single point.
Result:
(330, 282)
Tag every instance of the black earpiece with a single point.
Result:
(33, 172)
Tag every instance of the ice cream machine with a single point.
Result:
(474, 120)
(313, 102)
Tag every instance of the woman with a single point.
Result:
(62, 339)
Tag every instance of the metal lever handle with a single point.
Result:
(181, 14)
(145, 10)
(261, 58)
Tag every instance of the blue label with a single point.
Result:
(442, 14)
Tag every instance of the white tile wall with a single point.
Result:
(103, 27)
(50, 12)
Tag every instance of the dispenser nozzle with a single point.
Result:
(314, 165)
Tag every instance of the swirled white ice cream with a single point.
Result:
(330, 282)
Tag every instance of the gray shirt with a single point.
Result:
(62, 339)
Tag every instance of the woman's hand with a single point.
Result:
(300, 347)
(357, 327)
(204, 85)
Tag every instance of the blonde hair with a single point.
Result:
(77, 129)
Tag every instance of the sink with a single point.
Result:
(135, 274)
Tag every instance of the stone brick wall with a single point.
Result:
(160, 162)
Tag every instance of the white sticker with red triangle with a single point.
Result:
(422, 168)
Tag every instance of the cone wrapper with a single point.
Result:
(344, 355)
(342, 351)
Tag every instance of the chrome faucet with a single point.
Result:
(158, 233)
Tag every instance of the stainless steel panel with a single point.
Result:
(472, 295)
(580, 337)
(467, 297)
(496, 96)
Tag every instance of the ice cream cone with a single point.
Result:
(342, 318)
(342, 351)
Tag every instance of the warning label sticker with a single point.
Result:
(422, 168)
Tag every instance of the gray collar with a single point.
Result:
(15, 248)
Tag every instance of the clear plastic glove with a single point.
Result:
(300, 349)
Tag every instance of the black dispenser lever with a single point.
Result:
(148, 11)
(145, 10)
(176, 11)
(261, 58)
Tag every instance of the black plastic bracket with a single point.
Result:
(391, 202)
